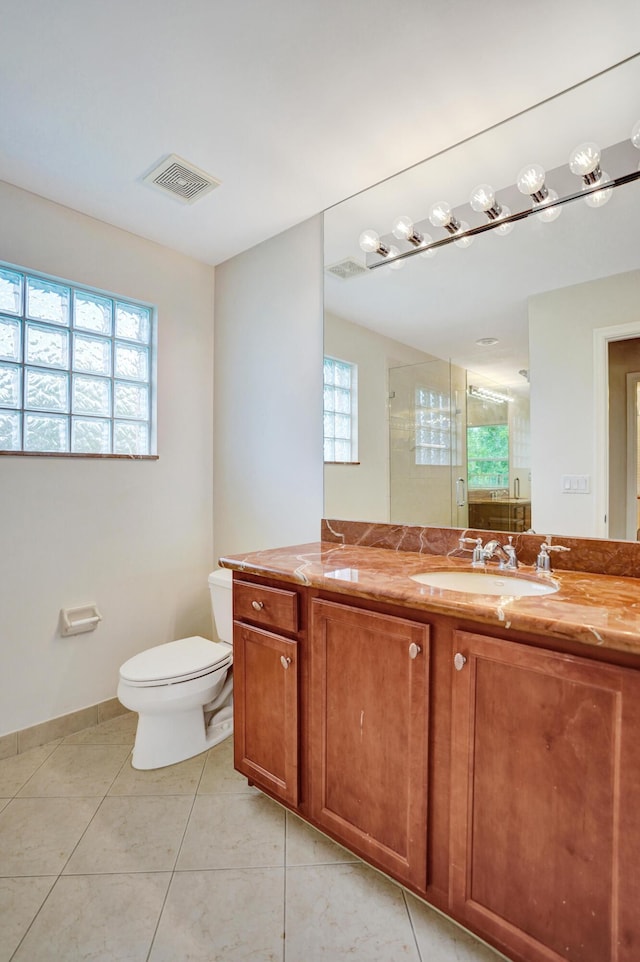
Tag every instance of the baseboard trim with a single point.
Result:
(21, 741)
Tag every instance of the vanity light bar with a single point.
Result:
(485, 394)
(531, 195)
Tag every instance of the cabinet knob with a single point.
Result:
(257, 605)
(285, 662)
(459, 661)
(414, 650)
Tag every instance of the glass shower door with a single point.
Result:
(426, 445)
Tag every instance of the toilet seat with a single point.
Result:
(175, 662)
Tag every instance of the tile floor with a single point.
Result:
(186, 864)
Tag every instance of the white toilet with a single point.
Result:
(183, 690)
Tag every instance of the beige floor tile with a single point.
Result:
(37, 835)
(219, 776)
(116, 731)
(306, 846)
(235, 915)
(346, 911)
(179, 779)
(20, 900)
(440, 940)
(17, 770)
(243, 831)
(132, 835)
(77, 770)
(4, 802)
(102, 918)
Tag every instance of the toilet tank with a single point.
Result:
(220, 585)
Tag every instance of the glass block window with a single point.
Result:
(340, 411)
(432, 427)
(75, 369)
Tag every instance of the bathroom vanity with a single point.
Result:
(500, 514)
(482, 750)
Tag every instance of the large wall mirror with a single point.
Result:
(493, 385)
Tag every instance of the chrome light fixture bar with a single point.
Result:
(531, 195)
(486, 394)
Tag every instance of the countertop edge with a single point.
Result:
(600, 611)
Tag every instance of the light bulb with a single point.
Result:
(584, 159)
(531, 180)
(548, 211)
(369, 241)
(440, 214)
(482, 198)
(395, 265)
(463, 241)
(505, 229)
(635, 135)
(427, 239)
(402, 228)
(598, 198)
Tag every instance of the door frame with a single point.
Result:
(633, 405)
(601, 338)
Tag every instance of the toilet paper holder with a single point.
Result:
(74, 621)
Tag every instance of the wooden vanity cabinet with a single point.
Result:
(495, 776)
(545, 842)
(267, 633)
(368, 752)
(506, 514)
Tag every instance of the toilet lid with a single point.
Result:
(175, 661)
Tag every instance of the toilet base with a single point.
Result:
(167, 740)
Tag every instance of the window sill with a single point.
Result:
(342, 462)
(79, 454)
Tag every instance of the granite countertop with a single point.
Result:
(593, 609)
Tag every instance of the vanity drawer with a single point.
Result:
(272, 607)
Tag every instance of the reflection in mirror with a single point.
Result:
(547, 302)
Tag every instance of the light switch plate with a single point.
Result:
(576, 484)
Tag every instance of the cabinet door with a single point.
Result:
(369, 684)
(265, 697)
(545, 834)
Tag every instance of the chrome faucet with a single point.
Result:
(482, 554)
(506, 553)
(543, 561)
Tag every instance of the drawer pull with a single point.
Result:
(459, 661)
(414, 650)
(285, 662)
(257, 605)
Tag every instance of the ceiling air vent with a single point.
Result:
(347, 269)
(181, 179)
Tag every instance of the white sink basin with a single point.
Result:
(484, 583)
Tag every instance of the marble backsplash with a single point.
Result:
(594, 555)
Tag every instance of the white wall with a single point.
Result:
(561, 360)
(133, 537)
(268, 393)
(360, 492)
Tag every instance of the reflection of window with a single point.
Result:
(488, 456)
(75, 369)
(340, 410)
(433, 427)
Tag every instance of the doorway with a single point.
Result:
(633, 455)
(624, 375)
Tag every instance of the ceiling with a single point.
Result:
(293, 104)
